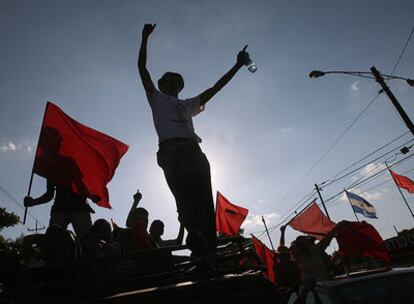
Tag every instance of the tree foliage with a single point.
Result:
(9, 247)
(7, 219)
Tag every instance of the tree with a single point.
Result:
(8, 247)
(7, 219)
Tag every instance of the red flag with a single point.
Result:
(403, 181)
(229, 217)
(313, 222)
(76, 157)
(267, 256)
(361, 239)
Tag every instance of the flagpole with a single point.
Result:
(323, 203)
(268, 235)
(303, 210)
(296, 215)
(32, 173)
(399, 190)
(351, 205)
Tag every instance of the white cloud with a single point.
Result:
(254, 221)
(369, 196)
(13, 147)
(343, 197)
(355, 86)
(371, 169)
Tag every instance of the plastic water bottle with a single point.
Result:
(251, 66)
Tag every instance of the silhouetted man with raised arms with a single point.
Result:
(185, 166)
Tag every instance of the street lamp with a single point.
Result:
(380, 78)
(316, 74)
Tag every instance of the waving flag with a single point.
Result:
(229, 217)
(312, 222)
(76, 157)
(403, 181)
(360, 205)
(361, 239)
(267, 257)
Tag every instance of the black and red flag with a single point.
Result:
(229, 217)
(74, 156)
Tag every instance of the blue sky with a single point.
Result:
(262, 133)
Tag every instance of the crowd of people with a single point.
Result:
(101, 239)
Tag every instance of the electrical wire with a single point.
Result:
(332, 146)
(375, 186)
(292, 211)
(342, 135)
(335, 179)
(369, 178)
(17, 203)
(287, 214)
(403, 51)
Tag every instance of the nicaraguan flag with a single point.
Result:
(360, 205)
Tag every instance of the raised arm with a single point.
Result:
(324, 243)
(137, 199)
(242, 58)
(282, 235)
(43, 199)
(142, 59)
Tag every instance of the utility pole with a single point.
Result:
(323, 203)
(36, 229)
(393, 99)
(268, 235)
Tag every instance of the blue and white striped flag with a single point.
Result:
(360, 205)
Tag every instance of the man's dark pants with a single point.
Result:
(187, 172)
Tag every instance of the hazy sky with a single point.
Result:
(262, 133)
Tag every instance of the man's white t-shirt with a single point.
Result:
(173, 117)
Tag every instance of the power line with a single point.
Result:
(332, 146)
(334, 179)
(17, 203)
(334, 203)
(403, 51)
(369, 178)
(296, 206)
(387, 181)
(306, 198)
(342, 135)
(373, 187)
(287, 214)
(375, 168)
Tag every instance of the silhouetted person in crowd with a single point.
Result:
(69, 207)
(98, 242)
(61, 247)
(286, 270)
(311, 259)
(157, 230)
(185, 166)
(135, 237)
